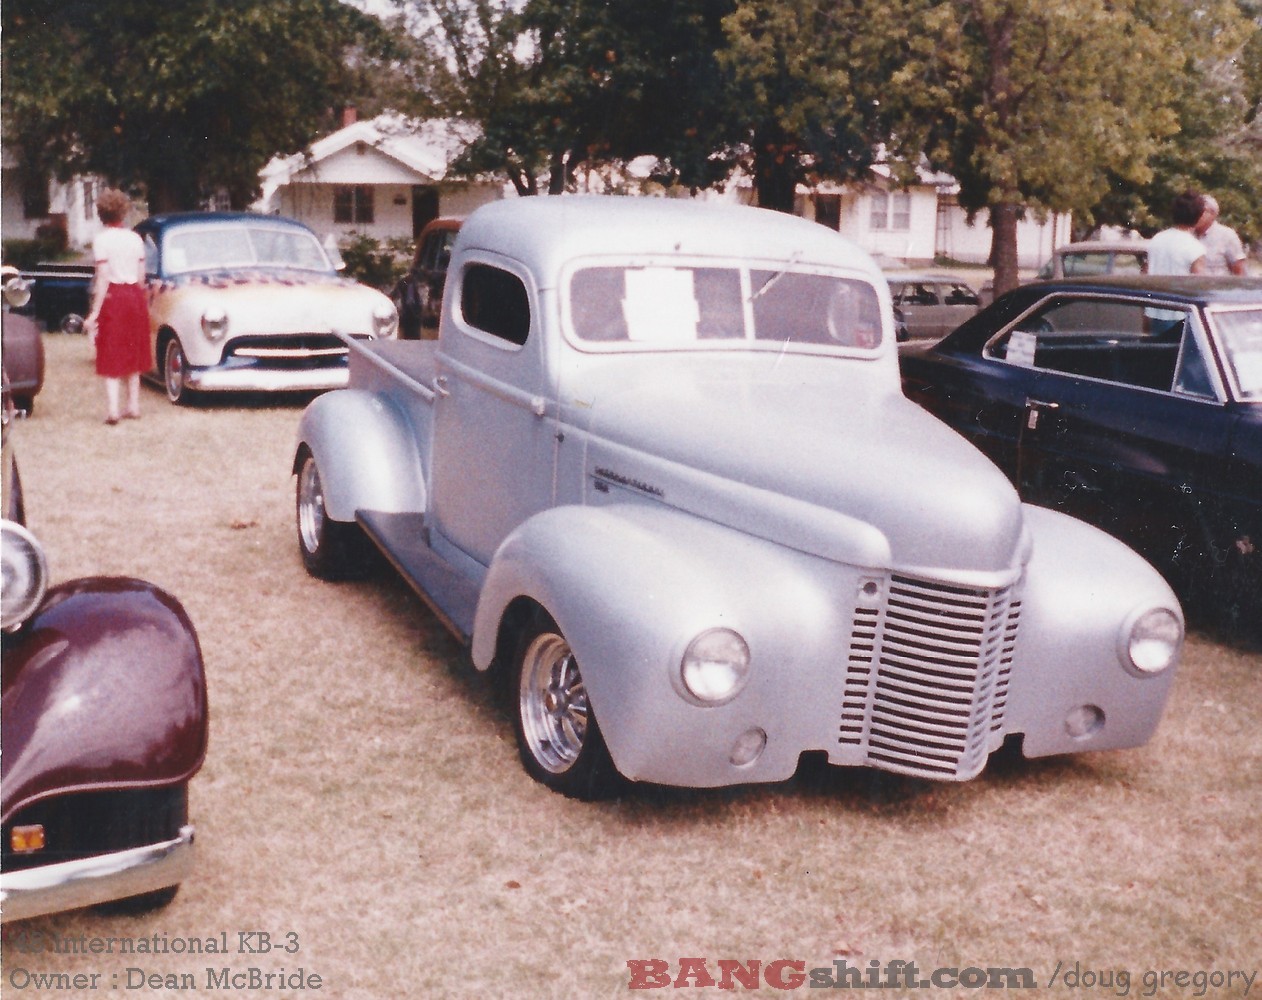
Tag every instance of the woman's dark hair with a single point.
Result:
(1186, 208)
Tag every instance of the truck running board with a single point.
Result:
(403, 540)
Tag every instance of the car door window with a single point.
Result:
(961, 295)
(1109, 339)
(920, 294)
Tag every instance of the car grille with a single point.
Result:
(85, 824)
(302, 347)
(927, 677)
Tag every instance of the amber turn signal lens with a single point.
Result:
(25, 839)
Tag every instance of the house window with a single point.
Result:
(353, 203)
(891, 210)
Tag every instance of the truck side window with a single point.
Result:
(495, 302)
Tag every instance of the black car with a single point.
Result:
(1134, 403)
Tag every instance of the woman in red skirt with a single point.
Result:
(119, 321)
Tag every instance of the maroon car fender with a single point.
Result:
(103, 688)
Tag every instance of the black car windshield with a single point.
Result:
(217, 247)
(1241, 332)
(677, 306)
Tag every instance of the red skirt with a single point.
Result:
(122, 333)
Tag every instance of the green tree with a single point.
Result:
(179, 100)
(556, 84)
(807, 78)
(1038, 107)
(1217, 146)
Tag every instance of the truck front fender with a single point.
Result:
(103, 689)
(1072, 687)
(366, 451)
(630, 585)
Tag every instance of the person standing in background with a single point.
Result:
(119, 321)
(1224, 253)
(1177, 250)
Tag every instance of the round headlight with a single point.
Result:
(215, 322)
(25, 574)
(1154, 640)
(384, 319)
(17, 291)
(715, 666)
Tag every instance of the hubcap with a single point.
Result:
(174, 370)
(553, 703)
(310, 506)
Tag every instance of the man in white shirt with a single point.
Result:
(1177, 250)
(1224, 253)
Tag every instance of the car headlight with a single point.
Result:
(17, 291)
(1152, 640)
(715, 666)
(215, 322)
(25, 573)
(384, 319)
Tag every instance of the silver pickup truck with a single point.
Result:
(657, 470)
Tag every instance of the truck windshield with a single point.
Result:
(682, 306)
(222, 247)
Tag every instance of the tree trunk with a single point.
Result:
(775, 169)
(1003, 224)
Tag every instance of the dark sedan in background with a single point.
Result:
(1132, 402)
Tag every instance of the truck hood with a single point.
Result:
(820, 457)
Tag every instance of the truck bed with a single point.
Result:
(415, 362)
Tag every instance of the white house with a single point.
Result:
(383, 178)
(915, 224)
(70, 207)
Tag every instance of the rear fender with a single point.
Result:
(366, 451)
(103, 689)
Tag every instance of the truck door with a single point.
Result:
(494, 417)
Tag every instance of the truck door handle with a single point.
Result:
(440, 386)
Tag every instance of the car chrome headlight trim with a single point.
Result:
(215, 322)
(1151, 640)
(385, 319)
(24, 569)
(715, 667)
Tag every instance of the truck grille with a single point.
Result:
(927, 677)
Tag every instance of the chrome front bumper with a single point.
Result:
(70, 885)
(250, 379)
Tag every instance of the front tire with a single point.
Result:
(174, 372)
(559, 740)
(331, 550)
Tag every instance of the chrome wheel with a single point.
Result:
(311, 515)
(553, 703)
(173, 371)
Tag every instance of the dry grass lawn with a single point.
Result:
(363, 794)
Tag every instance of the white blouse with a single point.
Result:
(119, 255)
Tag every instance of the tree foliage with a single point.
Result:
(557, 84)
(180, 100)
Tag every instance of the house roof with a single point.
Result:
(425, 149)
